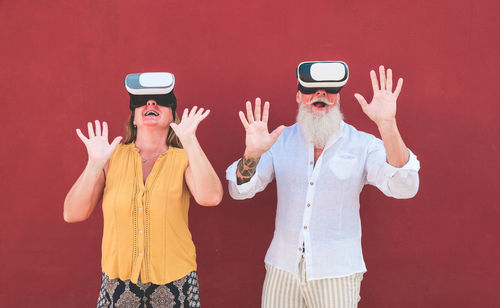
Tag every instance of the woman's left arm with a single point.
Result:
(201, 178)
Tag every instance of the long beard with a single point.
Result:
(318, 128)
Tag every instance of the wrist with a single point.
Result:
(95, 167)
(249, 153)
(188, 140)
(386, 124)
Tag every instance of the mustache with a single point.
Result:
(321, 99)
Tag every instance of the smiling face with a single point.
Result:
(318, 103)
(153, 115)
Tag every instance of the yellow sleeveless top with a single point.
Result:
(146, 224)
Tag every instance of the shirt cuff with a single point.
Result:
(412, 166)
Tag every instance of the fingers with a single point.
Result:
(277, 132)
(361, 100)
(97, 128)
(389, 80)
(184, 114)
(399, 86)
(115, 143)
(265, 113)
(373, 77)
(381, 71)
(91, 130)
(193, 111)
(249, 112)
(174, 127)
(204, 114)
(257, 109)
(243, 119)
(81, 136)
(105, 130)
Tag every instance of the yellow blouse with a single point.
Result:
(146, 224)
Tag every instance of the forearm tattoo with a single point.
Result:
(246, 169)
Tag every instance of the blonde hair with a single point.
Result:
(131, 132)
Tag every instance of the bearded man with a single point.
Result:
(321, 165)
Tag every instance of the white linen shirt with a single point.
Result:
(318, 204)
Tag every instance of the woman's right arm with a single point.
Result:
(87, 190)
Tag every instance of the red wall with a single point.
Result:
(62, 63)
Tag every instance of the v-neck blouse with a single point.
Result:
(146, 223)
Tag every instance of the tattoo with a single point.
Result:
(246, 169)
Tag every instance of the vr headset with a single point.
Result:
(146, 86)
(330, 76)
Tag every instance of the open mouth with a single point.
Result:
(319, 104)
(151, 113)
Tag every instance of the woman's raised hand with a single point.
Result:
(258, 140)
(97, 144)
(189, 123)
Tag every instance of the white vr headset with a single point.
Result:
(149, 83)
(151, 86)
(330, 76)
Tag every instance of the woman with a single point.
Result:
(148, 257)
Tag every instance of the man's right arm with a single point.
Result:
(258, 141)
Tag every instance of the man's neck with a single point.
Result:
(317, 153)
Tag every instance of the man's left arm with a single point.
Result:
(382, 111)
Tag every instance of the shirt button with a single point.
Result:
(151, 173)
(309, 204)
(312, 183)
(300, 249)
(140, 254)
(310, 163)
(140, 209)
(142, 190)
(305, 227)
(140, 231)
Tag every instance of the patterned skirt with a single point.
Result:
(182, 293)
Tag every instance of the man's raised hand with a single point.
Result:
(382, 108)
(258, 140)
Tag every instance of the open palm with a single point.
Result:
(189, 122)
(98, 147)
(383, 104)
(258, 140)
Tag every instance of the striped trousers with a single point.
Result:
(285, 290)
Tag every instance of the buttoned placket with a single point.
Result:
(143, 210)
(312, 172)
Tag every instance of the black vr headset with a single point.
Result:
(151, 86)
(330, 76)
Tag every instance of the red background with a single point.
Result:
(63, 64)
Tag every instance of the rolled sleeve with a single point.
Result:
(403, 182)
(413, 165)
(400, 183)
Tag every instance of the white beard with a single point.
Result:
(318, 128)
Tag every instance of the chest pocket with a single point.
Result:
(343, 166)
